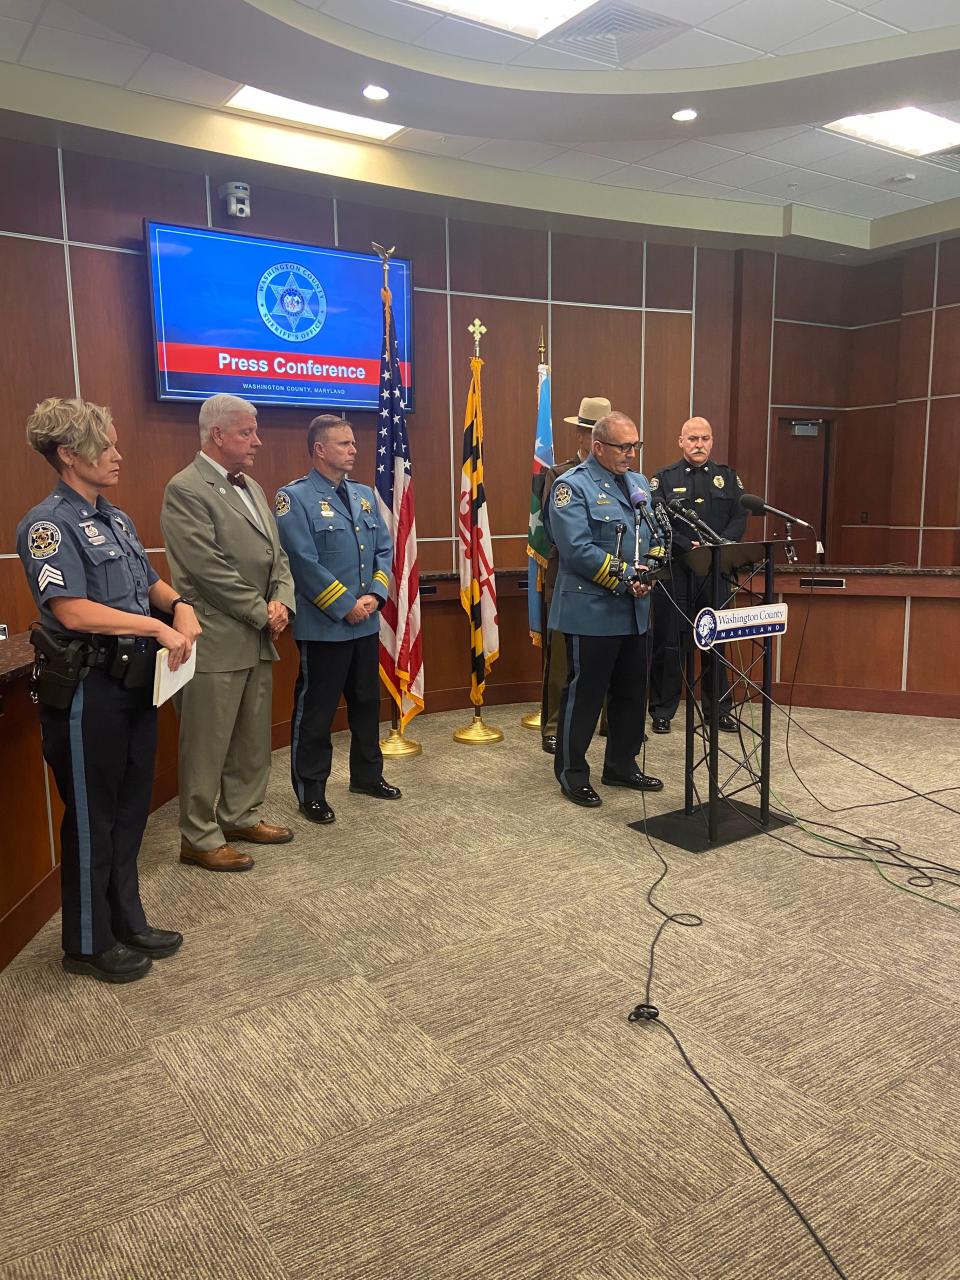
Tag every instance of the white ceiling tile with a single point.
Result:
(693, 49)
(705, 190)
(625, 152)
(804, 148)
(852, 29)
(768, 24)
(790, 184)
(931, 181)
(435, 144)
(393, 21)
(468, 40)
(757, 197)
(23, 10)
(577, 164)
(690, 157)
(863, 202)
(70, 54)
(507, 154)
(756, 139)
(636, 176)
(692, 12)
(556, 60)
(167, 78)
(13, 36)
(858, 161)
(949, 109)
(64, 18)
(744, 171)
(916, 15)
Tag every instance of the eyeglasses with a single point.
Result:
(630, 447)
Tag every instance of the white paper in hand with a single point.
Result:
(167, 682)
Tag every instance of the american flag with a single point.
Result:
(401, 651)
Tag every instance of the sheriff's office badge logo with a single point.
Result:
(291, 302)
(326, 510)
(718, 481)
(655, 482)
(365, 505)
(562, 495)
(43, 539)
(281, 504)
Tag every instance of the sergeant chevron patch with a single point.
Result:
(49, 577)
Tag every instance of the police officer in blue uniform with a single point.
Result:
(713, 491)
(602, 612)
(96, 655)
(340, 555)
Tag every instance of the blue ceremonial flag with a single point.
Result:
(538, 544)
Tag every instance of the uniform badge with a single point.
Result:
(43, 539)
(326, 510)
(121, 526)
(365, 505)
(281, 504)
(562, 494)
(655, 482)
(718, 481)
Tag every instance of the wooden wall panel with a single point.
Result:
(428, 427)
(861, 545)
(941, 549)
(108, 199)
(36, 361)
(948, 276)
(836, 650)
(914, 364)
(30, 192)
(509, 351)
(809, 364)
(436, 557)
(286, 215)
(669, 277)
(872, 360)
(816, 292)
(797, 471)
(946, 353)
(418, 236)
(865, 441)
(589, 269)
(918, 272)
(906, 462)
(17, 609)
(510, 261)
(595, 353)
(934, 630)
(666, 387)
(942, 505)
(26, 862)
(875, 292)
(713, 343)
(750, 385)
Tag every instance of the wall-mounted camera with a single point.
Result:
(236, 197)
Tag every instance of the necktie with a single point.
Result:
(342, 494)
(237, 478)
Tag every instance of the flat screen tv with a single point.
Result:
(272, 321)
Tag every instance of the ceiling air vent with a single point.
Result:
(614, 32)
(950, 157)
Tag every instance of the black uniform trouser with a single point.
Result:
(102, 753)
(672, 638)
(329, 668)
(614, 667)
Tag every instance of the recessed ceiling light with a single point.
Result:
(910, 130)
(375, 93)
(684, 114)
(287, 110)
(533, 18)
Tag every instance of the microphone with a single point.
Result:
(686, 514)
(757, 507)
(640, 503)
(662, 519)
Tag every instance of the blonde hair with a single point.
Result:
(71, 424)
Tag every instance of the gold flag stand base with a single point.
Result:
(477, 733)
(531, 720)
(395, 745)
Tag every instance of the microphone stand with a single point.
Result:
(789, 550)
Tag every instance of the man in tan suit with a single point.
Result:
(226, 559)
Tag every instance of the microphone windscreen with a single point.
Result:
(637, 497)
(750, 502)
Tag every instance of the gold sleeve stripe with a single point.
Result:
(329, 595)
(601, 572)
(381, 577)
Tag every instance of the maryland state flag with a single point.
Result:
(478, 584)
(538, 544)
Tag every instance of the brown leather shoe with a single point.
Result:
(262, 833)
(225, 858)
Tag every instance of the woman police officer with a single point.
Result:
(96, 646)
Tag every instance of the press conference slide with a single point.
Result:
(272, 321)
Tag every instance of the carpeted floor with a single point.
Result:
(398, 1049)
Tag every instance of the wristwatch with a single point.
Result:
(180, 600)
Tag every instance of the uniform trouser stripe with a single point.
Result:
(298, 720)
(569, 708)
(83, 821)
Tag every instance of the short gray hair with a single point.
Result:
(218, 408)
(601, 428)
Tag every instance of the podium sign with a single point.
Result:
(721, 626)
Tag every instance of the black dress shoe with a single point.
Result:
(660, 725)
(727, 724)
(155, 942)
(117, 964)
(317, 811)
(585, 796)
(550, 744)
(635, 782)
(380, 790)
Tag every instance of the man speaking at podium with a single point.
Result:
(713, 491)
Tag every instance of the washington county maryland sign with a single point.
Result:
(720, 626)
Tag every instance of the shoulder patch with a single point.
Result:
(43, 539)
(281, 503)
(562, 493)
(655, 483)
(718, 481)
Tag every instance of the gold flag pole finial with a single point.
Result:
(384, 255)
(542, 348)
(478, 330)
